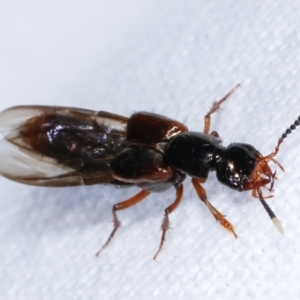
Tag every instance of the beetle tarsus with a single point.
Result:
(117, 225)
(165, 226)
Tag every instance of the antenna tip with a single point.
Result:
(278, 225)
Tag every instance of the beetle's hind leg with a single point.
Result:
(218, 216)
(119, 206)
(165, 226)
(215, 107)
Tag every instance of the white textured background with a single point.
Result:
(173, 58)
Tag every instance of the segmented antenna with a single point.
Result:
(271, 157)
(291, 128)
(284, 135)
(270, 212)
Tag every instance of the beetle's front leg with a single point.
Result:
(218, 216)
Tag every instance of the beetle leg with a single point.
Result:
(119, 206)
(215, 107)
(218, 216)
(165, 226)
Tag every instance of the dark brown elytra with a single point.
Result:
(62, 146)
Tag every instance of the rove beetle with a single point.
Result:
(65, 146)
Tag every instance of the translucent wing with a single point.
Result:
(59, 146)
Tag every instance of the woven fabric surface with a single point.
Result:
(172, 58)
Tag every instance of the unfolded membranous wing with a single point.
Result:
(59, 146)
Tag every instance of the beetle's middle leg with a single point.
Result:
(165, 226)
